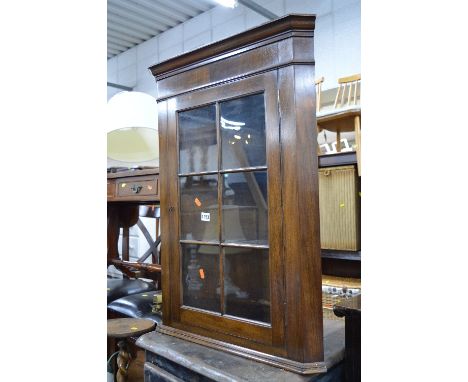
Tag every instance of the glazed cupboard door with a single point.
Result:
(222, 167)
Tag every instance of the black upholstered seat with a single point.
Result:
(138, 305)
(117, 288)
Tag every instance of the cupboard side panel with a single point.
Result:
(301, 245)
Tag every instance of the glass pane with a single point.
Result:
(243, 132)
(199, 208)
(200, 276)
(247, 283)
(197, 140)
(245, 207)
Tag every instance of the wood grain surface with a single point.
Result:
(128, 327)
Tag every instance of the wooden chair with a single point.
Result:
(319, 112)
(126, 216)
(344, 115)
(347, 83)
(132, 297)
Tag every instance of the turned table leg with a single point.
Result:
(123, 361)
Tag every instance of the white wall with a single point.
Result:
(337, 40)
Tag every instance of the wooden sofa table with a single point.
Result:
(131, 195)
(133, 185)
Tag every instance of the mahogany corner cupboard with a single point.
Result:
(241, 266)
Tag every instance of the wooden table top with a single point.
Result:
(135, 172)
(128, 327)
(339, 114)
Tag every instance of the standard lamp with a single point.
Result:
(132, 130)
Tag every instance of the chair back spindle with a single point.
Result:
(349, 84)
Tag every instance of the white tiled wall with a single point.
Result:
(337, 40)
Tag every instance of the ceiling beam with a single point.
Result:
(172, 7)
(156, 13)
(116, 46)
(199, 5)
(112, 18)
(131, 22)
(130, 32)
(113, 51)
(123, 37)
(119, 42)
(141, 17)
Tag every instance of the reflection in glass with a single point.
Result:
(197, 140)
(245, 207)
(247, 283)
(200, 276)
(199, 208)
(243, 132)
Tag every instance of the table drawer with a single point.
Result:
(137, 187)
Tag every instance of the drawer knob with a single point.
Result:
(136, 188)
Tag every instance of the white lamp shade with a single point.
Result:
(132, 128)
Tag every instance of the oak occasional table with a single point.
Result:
(124, 328)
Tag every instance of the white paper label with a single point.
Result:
(205, 216)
